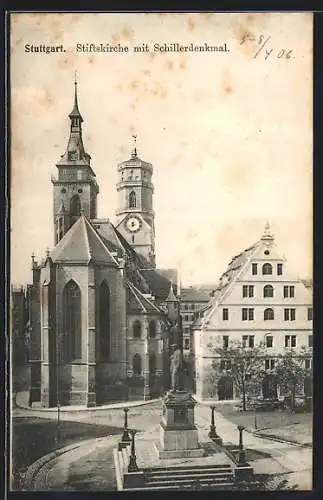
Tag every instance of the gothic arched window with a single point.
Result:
(72, 314)
(152, 363)
(104, 320)
(136, 364)
(152, 329)
(268, 291)
(267, 269)
(75, 208)
(268, 314)
(132, 200)
(136, 329)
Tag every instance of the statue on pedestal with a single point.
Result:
(176, 369)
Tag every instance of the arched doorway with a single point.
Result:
(225, 388)
(269, 387)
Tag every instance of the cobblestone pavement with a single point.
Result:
(90, 467)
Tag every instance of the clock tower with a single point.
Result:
(135, 215)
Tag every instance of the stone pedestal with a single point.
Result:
(178, 433)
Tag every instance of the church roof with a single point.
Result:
(82, 244)
(193, 294)
(138, 302)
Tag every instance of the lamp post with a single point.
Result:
(125, 436)
(213, 434)
(242, 453)
(133, 467)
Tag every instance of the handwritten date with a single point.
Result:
(265, 48)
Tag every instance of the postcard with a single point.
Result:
(161, 251)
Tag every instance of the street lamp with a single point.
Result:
(133, 467)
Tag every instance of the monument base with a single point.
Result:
(188, 453)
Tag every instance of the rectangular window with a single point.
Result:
(222, 364)
(310, 341)
(225, 339)
(307, 364)
(248, 340)
(247, 313)
(254, 269)
(279, 269)
(186, 317)
(289, 314)
(310, 314)
(290, 340)
(247, 291)
(185, 307)
(186, 344)
(289, 291)
(269, 341)
(269, 364)
(225, 314)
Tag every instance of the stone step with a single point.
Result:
(218, 486)
(175, 477)
(190, 468)
(189, 481)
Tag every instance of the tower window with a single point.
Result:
(72, 314)
(75, 206)
(268, 291)
(132, 200)
(63, 190)
(267, 269)
(80, 190)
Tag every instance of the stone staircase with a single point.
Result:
(196, 477)
(183, 477)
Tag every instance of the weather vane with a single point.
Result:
(134, 136)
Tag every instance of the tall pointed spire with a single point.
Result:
(75, 149)
(75, 111)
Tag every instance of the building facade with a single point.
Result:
(98, 328)
(192, 301)
(19, 319)
(257, 302)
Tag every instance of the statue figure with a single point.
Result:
(176, 369)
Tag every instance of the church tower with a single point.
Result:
(75, 188)
(135, 215)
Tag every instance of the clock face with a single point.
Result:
(133, 224)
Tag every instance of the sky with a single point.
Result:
(229, 134)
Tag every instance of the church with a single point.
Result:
(98, 321)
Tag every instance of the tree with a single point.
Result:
(244, 364)
(291, 372)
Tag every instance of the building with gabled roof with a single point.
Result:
(98, 329)
(256, 302)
